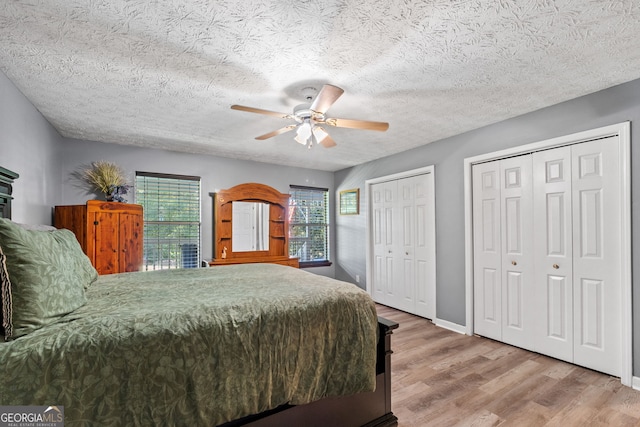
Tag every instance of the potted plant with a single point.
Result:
(107, 178)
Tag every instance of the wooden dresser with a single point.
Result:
(276, 227)
(110, 233)
(6, 189)
(285, 260)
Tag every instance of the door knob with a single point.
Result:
(514, 263)
(556, 266)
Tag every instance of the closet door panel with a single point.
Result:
(553, 252)
(517, 251)
(382, 239)
(392, 245)
(406, 241)
(421, 252)
(487, 266)
(596, 229)
(424, 246)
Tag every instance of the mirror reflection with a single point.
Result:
(250, 226)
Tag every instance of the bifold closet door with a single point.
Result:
(414, 199)
(387, 289)
(503, 251)
(553, 244)
(547, 275)
(402, 237)
(516, 207)
(597, 286)
(487, 251)
(577, 204)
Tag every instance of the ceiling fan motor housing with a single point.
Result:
(303, 112)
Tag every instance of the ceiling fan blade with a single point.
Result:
(325, 99)
(276, 132)
(358, 124)
(323, 137)
(261, 111)
(328, 142)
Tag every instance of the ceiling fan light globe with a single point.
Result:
(303, 134)
(320, 134)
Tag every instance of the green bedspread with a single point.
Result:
(196, 347)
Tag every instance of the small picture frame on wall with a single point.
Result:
(350, 202)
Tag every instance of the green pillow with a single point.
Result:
(48, 273)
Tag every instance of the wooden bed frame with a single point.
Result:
(363, 409)
(372, 409)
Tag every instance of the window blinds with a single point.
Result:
(171, 219)
(309, 224)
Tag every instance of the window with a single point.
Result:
(309, 225)
(171, 219)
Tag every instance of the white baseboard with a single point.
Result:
(635, 383)
(450, 325)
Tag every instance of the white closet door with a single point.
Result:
(547, 253)
(553, 252)
(403, 240)
(487, 262)
(596, 255)
(407, 237)
(377, 238)
(518, 317)
(387, 288)
(415, 237)
(424, 246)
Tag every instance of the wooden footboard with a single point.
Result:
(371, 409)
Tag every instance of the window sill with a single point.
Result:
(309, 264)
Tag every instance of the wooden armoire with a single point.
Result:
(110, 233)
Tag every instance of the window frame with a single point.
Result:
(327, 225)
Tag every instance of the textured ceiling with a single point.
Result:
(164, 73)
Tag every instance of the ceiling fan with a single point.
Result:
(310, 117)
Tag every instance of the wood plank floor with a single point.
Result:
(442, 378)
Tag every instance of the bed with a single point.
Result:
(249, 344)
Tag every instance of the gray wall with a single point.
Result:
(613, 105)
(28, 146)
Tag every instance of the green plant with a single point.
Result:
(105, 176)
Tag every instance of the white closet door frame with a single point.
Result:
(431, 215)
(623, 132)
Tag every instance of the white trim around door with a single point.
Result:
(622, 131)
